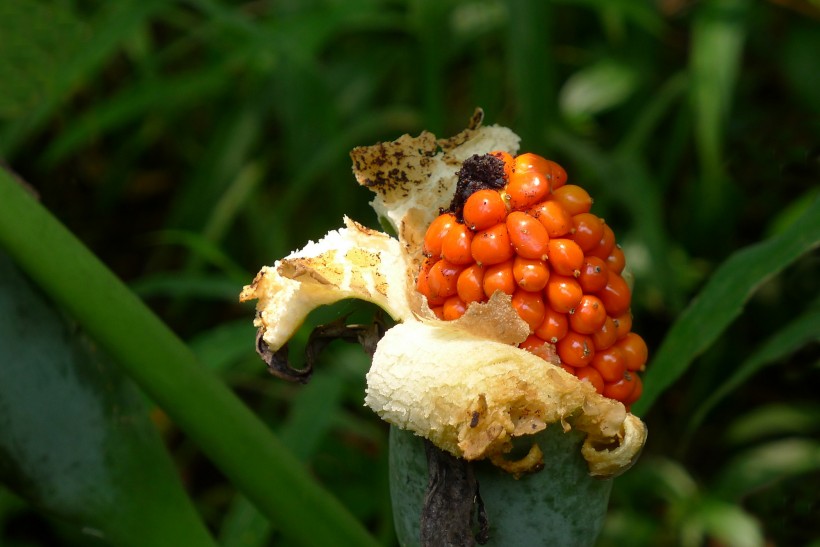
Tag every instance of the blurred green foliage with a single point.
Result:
(188, 142)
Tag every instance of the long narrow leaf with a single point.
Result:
(785, 341)
(722, 300)
(237, 442)
(75, 437)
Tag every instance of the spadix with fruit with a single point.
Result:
(511, 310)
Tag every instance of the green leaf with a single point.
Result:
(716, 46)
(722, 300)
(597, 88)
(75, 438)
(108, 28)
(199, 403)
(727, 523)
(36, 39)
(763, 465)
(776, 419)
(787, 340)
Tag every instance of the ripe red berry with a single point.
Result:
(554, 217)
(635, 351)
(530, 307)
(470, 284)
(588, 316)
(622, 389)
(605, 246)
(453, 308)
(616, 295)
(616, 261)
(537, 346)
(530, 274)
(623, 325)
(575, 349)
(588, 230)
(528, 236)
(483, 209)
(423, 286)
(456, 245)
(594, 274)
(442, 279)
(492, 246)
(554, 326)
(526, 188)
(563, 293)
(591, 375)
(606, 335)
(499, 277)
(610, 363)
(565, 256)
(575, 199)
(436, 232)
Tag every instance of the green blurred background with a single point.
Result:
(187, 143)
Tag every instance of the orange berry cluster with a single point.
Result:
(516, 226)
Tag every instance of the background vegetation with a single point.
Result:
(188, 142)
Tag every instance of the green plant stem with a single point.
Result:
(198, 402)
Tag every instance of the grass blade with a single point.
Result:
(235, 440)
(787, 340)
(722, 300)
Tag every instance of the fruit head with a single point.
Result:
(515, 226)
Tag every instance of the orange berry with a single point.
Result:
(588, 230)
(436, 232)
(554, 217)
(592, 376)
(622, 389)
(605, 246)
(453, 308)
(439, 311)
(528, 236)
(565, 256)
(589, 315)
(554, 326)
(470, 284)
(530, 307)
(637, 391)
(610, 363)
(499, 277)
(526, 188)
(556, 175)
(531, 275)
(575, 199)
(563, 293)
(616, 259)
(623, 325)
(616, 295)
(594, 274)
(531, 162)
(606, 335)
(575, 350)
(483, 209)
(568, 368)
(634, 350)
(456, 245)
(423, 286)
(492, 245)
(509, 161)
(442, 279)
(539, 347)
